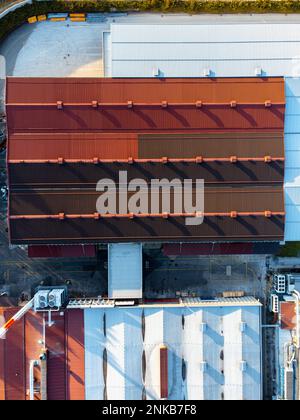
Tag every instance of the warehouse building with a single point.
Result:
(189, 349)
(215, 50)
(219, 50)
(67, 134)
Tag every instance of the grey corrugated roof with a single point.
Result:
(192, 334)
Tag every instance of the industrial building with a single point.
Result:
(65, 135)
(213, 102)
(187, 349)
(219, 50)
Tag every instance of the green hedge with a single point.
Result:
(19, 16)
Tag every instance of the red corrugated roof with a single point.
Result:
(78, 119)
(144, 90)
(72, 145)
(75, 355)
(33, 341)
(65, 251)
(208, 249)
(96, 119)
(56, 345)
(288, 315)
(164, 373)
(15, 379)
(65, 345)
(2, 368)
(122, 145)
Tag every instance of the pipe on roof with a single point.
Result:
(62, 216)
(32, 364)
(130, 104)
(131, 160)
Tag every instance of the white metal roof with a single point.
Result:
(208, 341)
(186, 50)
(125, 271)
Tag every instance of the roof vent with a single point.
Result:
(268, 104)
(206, 72)
(155, 72)
(243, 366)
(203, 327)
(243, 326)
(203, 366)
(258, 71)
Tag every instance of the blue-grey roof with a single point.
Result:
(125, 283)
(213, 342)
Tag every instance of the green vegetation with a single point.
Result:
(19, 16)
(290, 249)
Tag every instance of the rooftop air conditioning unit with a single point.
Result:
(41, 299)
(56, 298)
(274, 304)
(291, 282)
(279, 283)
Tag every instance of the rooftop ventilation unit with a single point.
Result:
(203, 366)
(155, 72)
(243, 326)
(243, 366)
(206, 72)
(258, 71)
(274, 304)
(279, 283)
(203, 327)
